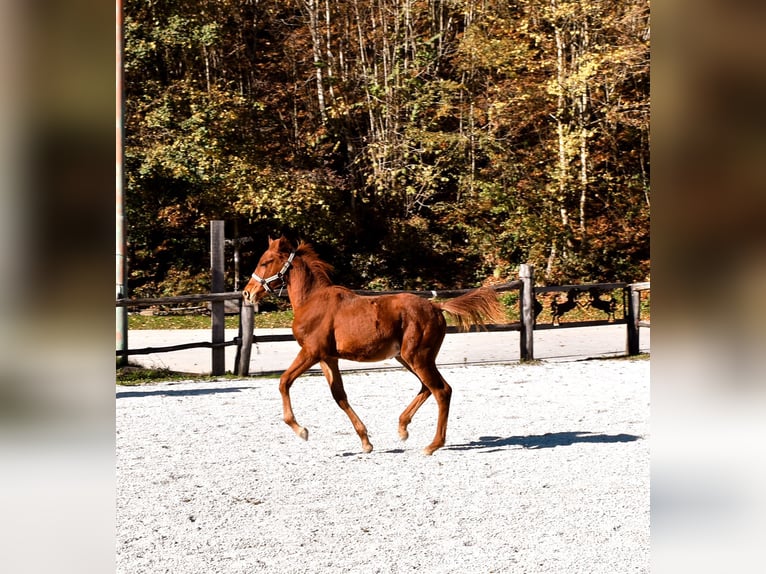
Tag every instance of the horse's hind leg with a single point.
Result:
(299, 366)
(406, 417)
(442, 392)
(332, 373)
(425, 368)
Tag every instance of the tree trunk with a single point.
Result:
(561, 171)
(582, 111)
(312, 8)
(328, 48)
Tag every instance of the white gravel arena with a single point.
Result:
(545, 469)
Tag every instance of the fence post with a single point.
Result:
(121, 319)
(246, 313)
(217, 316)
(527, 311)
(634, 310)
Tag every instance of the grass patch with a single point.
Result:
(162, 322)
(134, 375)
(532, 362)
(270, 320)
(639, 357)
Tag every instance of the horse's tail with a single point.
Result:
(477, 307)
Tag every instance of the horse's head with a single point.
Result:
(271, 271)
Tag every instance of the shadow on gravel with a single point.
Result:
(548, 440)
(177, 393)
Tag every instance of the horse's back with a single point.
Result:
(372, 328)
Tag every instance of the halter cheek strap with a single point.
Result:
(279, 276)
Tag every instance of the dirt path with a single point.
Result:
(458, 349)
(546, 469)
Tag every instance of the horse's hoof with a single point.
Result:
(404, 435)
(303, 433)
(367, 447)
(428, 451)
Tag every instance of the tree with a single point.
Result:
(457, 138)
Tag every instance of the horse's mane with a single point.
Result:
(321, 270)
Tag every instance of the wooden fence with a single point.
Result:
(529, 308)
(217, 344)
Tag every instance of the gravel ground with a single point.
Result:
(546, 469)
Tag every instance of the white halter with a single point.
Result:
(280, 275)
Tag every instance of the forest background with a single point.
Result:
(415, 143)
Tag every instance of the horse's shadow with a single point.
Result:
(547, 440)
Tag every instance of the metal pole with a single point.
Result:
(121, 265)
(236, 243)
(236, 266)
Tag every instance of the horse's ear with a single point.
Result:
(284, 244)
(270, 240)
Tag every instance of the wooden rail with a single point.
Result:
(526, 326)
(217, 343)
(201, 298)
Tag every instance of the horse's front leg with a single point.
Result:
(300, 365)
(332, 373)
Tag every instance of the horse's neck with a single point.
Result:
(301, 284)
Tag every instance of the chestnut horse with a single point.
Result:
(332, 322)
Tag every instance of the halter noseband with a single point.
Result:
(280, 275)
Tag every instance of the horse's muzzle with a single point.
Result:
(248, 297)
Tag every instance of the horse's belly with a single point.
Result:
(367, 329)
(367, 351)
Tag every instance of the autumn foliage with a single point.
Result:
(415, 143)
